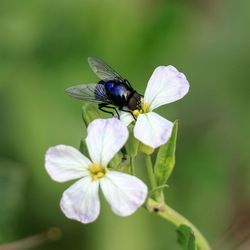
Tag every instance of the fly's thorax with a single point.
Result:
(97, 171)
(118, 92)
(115, 87)
(134, 101)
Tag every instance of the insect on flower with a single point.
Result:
(166, 85)
(125, 193)
(111, 93)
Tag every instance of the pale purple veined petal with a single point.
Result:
(125, 193)
(65, 163)
(81, 201)
(105, 137)
(152, 129)
(126, 118)
(166, 85)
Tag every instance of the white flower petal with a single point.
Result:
(105, 137)
(152, 129)
(125, 193)
(166, 85)
(65, 163)
(126, 118)
(80, 201)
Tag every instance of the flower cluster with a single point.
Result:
(105, 137)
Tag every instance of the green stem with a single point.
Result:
(132, 165)
(177, 219)
(150, 171)
(158, 206)
(155, 191)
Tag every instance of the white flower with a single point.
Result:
(166, 85)
(124, 193)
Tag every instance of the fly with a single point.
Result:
(112, 92)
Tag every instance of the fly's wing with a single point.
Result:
(89, 92)
(102, 70)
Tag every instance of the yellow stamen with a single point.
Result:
(144, 109)
(97, 171)
(136, 112)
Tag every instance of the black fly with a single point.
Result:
(110, 93)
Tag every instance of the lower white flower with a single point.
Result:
(166, 85)
(125, 193)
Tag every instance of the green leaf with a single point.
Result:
(89, 113)
(165, 159)
(186, 238)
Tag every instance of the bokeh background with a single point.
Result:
(44, 47)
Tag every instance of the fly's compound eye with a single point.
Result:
(134, 102)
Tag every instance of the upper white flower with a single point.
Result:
(166, 85)
(125, 193)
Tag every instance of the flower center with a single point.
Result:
(97, 171)
(143, 109)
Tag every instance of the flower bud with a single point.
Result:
(89, 113)
(132, 143)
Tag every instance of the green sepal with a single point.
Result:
(132, 144)
(165, 159)
(83, 148)
(125, 166)
(186, 238)
(120, 162)
(89, 113)
(116, 160)
(145, 149)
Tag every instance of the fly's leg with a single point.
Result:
(128, 111)
(103, 107)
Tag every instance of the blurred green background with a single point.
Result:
(44, 47)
